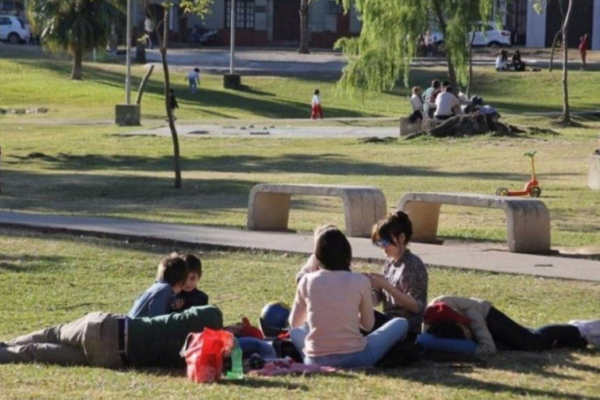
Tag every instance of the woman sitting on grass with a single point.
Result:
(332, 305)
(402, 287)
(450, 317)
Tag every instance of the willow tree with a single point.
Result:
(381, 55)
(76, 26)
(188, 7)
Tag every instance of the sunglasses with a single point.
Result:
(383, 243)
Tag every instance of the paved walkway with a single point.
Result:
(468, 257)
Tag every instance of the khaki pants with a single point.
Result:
(91, 340)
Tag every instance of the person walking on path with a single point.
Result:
(193, 79)
(173, 103)
(316, 110)
(149, 28)
(584, 43)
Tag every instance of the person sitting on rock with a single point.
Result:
(447, 104)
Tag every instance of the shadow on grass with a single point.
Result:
(321, 164)
(253, 101)
(106, 194)
(25, 263)
(451, 375)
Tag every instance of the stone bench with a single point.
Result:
(406, 127)
(527, 220)
(269, 205)
(594, 174)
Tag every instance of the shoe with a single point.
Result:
(589, 329)
(3, 344)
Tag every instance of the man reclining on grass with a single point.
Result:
(113, 341)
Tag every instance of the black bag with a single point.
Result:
(285, 348)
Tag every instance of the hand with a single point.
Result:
(178, 304)
(378, 281)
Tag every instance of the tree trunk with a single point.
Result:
(437, 8)
(468, 90)
(304, 27)
(142, 88)
(553, 49)
(77, 71)
(565, 36)
(163, 57)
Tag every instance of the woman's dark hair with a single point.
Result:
(447, 330)
(333, 250)
(392, 227)
(445, 83)
(435, 84)
(173, 270)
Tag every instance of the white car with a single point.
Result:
(14, 29)
(486, 34)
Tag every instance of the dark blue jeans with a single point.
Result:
(508, 335)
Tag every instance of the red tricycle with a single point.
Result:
(531, 188)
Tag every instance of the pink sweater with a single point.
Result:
(335, 304)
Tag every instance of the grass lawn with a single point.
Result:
(89, 168)
(51, 279)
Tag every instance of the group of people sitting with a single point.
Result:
(332, 322)
(440, 101)
(514, 64)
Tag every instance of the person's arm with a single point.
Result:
(298, 314)
(160, 303)
(367, 316)
(399, 298)
(312, 265)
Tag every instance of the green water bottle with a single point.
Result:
(237, 369)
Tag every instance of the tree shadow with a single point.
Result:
(320, 164)
(450, 375)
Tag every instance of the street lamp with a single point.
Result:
(232, 80)
(128, 61)
(128, 114)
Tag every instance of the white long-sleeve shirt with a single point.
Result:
(316, 100)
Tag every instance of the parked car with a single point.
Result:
(486, 34)
(14, 29)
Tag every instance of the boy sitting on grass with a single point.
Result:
(190, 295)
(160, 297)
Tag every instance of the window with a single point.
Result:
(5, 21)
(333, 7)
(244, 14)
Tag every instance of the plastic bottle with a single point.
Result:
(237, 368)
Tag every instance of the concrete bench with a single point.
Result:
(406, 127)
(594, 174)
(527, 220)
(269, 205)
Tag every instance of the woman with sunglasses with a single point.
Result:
(332, 305)
(402, 287)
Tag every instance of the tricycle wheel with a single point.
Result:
(535, 191)
(502, 191)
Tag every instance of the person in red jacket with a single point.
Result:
(584, 43)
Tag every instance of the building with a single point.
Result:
(541, 27)
(263, 22)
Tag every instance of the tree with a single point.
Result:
(304, 27)
(565, 20)
(76, 26)
(566, 117)
(198, 7)
(389, 35)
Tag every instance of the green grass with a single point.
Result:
(51, 279)
(90, 168)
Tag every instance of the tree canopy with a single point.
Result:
(390, 33)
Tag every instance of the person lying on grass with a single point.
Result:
(402, 287)
(113, 341)
(449, 317)
(332, 305)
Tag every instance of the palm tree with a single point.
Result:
(76, 26)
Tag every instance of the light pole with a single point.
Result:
(232, 30)
(128, 61)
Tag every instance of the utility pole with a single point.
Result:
(128, 61)
(232, 30)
